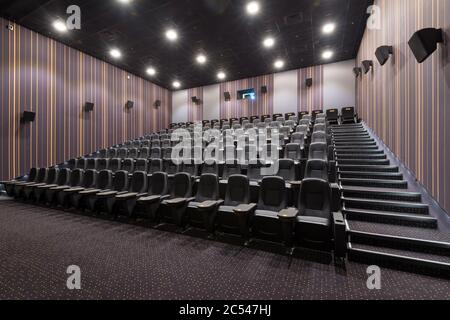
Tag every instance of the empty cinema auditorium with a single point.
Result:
(230, 157)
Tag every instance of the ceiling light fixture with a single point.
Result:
(269, 42)
(201, 58)
(176, 84)
(221, 75)
(328, 54)
(328, 28)
(279, 64)
(60, 26)
(253, 7)
(115, 53)
(171, 34)
(151, 71)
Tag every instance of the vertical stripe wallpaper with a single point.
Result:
(407, 103)
(195, 111)
(263, 104)
(310, 98)
(42, 75)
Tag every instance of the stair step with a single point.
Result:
(352, 151)
(367, 168)
(386, 205)
(379, 162)
(371, 175)
(356, 148)
(362, 156)
(420, 237)
(355, 144)
(381, 194)
(397, 259)
(408, 219)
(393, 184)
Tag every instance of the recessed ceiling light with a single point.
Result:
(151, 71)
(60, 26)
(176, 84)
(201, 58)
(124, 1)
(115, 53)
(253, 7)
(328, 28)
(269, 42)
(279, 64)
(221, 75)
(328, 54)
(172, 35)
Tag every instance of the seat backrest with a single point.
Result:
(272, 194)
(293, 151)
(170, 167)
(190, 167)
(141, 165)
(166, 143)
(299, 138)
(159, 184)
(231, 169)
(167, 153)
(52, 175)
(91, 164)
(133, 153)
(32, 174)
(320, 127)
(318, 150)
(319, 136)
(41, 175)
(115, 164)
(285, 131)
(320, 121)
(104, 180)
(286, 169)
(80, 163)
(316, 168)
(122, 153)
(182, 186)
(121, 181)
(144, 153)
(155, 166)
(155, 153)
(210, 167)
(304, 122)
(64, 177)
(302, 129)
(112, 153)
(332, 114)
(208, 188)
(238, 190)
(348, 112)
(254, 171)
(139, 182)
(76, 178)
(315, 198)
(128, 165)
(102, 164)
(103, 153)
(90, 178)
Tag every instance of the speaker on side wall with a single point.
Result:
(227, 96)
(382, 53)
(88, 107)
(129, 105)
(367, 65)
(424, 42)
(157, 103)
(309, 82)
(357, 71)
(264, 89)
(28, 116)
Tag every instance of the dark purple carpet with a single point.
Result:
(120, 261)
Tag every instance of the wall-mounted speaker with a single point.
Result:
(157, 103)
(309, 82)
(424, 42)
(28, 116)
(357, 71)
(264, 89)
(195, 100)
(382, 53)
(88, 107)
(367, 65)
(227, 96)
(129, 105)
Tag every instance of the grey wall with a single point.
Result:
(339, 85)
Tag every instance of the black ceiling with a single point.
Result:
(231, 39)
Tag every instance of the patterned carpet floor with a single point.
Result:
(124, 261)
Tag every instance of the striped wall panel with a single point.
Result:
(195, 111)
(407, 103)
(53, 80)
(310, 98)
(263, 104)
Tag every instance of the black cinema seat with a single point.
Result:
(316, 168)
(272, 199)
(63, 178)
(333, 116)
(84, 198)
(104, 200)
(102, 164)
(318, 150)
(75, 180)
(348, 115)
(148, 205)
(40, 178)
(180, 196)
(126, 202)
(115, 164)
(234, 215)
(65, 198)
(51, 178)
(141, 165)
(10, 185)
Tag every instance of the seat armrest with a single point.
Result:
(60, 188)
(296, 184)
(340, 235)
(47, 186)
(336, 202)
(288, 214)
(126, 196)
(107, 194)
(74, 190)
(150, 199)
(245, 208)
(177, 201)
(92, 191)
(208, 205)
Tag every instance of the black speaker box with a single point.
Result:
(264, 89)
(309, 82)
(158, 103)
(129, 105)
(424, 42)
(357, 71)
(88, 107)
(227, 96)
(367, 64)
(382, 53)
(28, 116)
